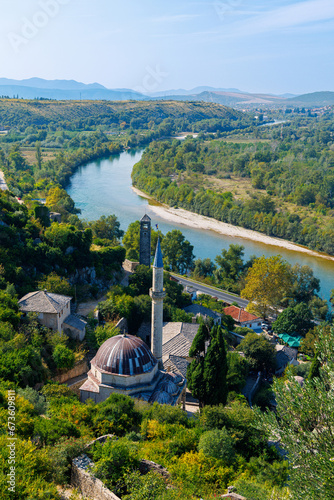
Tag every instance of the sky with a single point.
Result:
(276, 46)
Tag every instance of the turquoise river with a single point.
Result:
(103, 187)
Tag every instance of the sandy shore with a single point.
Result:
(190, 219)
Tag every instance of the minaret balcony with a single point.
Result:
(157, 295)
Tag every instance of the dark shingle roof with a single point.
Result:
(145, 218)
(176, 364)
(180, 344)
(43, 302)
(198, 309)
(75, 322)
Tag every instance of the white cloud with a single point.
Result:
(294, 15)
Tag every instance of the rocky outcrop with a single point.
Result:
(88, 485)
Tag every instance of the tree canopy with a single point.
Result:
(266, 284)
(259, 352)
(304, 424)
(207, 372)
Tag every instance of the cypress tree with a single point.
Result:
(207, 374)
(215, 369)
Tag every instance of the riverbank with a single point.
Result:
(190, 219)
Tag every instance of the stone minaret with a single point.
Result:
(157, 294)
(145, 241)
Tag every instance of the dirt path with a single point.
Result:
(86, 307)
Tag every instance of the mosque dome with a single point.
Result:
(174, 377)
(125, 355)
(161, 397)
(169, 387)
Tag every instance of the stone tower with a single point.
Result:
(157, 294)
(145, 241)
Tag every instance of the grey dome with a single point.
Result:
(125, 355)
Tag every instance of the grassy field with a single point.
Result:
(30, 154)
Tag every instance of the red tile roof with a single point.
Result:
(240, 315)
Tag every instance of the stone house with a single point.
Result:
(204, 312)
(54, 311)
(285, 356)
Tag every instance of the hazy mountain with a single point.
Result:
(325, 98)
(40, 83)
(196, 90)
(33, 88)
(230, 98)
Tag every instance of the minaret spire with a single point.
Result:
(157, 294)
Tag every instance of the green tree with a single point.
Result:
(267, 283)
(114, 460)
(319, 308)
(294, 320)
(177, 252)
(230, 264)
(38, 155)
(304, 283)
(58, 200)
(117, 414)
(259, 352)
(107, 227)
(304, 422)
(63, 357)
(56, 284)
(207, 373)
(237, 371)
(131, 237)
(105, 332)
(140, 281)
(217, 443)
(9, 309)
(203, 268)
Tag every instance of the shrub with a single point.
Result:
(114, 460)
(116, 415)
(217, 444)
(36, 399)
(63, 357)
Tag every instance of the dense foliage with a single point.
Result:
(295, 170)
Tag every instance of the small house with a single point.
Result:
(54, 311)
(244, 318)
(204, 312)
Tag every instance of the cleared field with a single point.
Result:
(241, 188)
(30, 154)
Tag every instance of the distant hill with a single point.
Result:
(17, 111)
(240, 100)
(40, 83)
(314, 99)
(233, 99)
(183, 92)
(33, 88)
(61, 94)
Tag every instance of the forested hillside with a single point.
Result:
(20, 112)
(280, 182)
(43, 142)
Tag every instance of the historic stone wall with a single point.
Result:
(79, 369)
(129, 265)
(87, 484)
